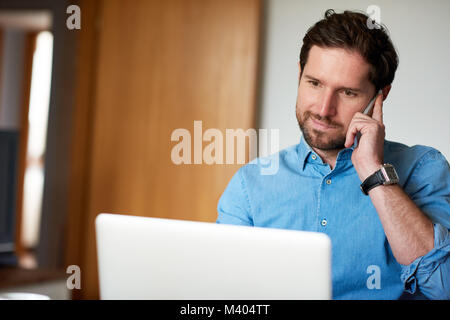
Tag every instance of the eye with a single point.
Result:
(349, 93)
(314, 83)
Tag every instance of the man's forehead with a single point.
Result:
(339, 66)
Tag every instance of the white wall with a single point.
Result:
(417, 110)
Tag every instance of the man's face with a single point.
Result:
(333, 87)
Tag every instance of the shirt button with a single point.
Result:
(323, 222)
(329, 181)
(314, 157)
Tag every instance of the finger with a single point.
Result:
(361, 116)
(378, 109)
(353, 129)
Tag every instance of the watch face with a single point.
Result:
(390, 174)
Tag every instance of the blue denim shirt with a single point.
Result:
(305, 194)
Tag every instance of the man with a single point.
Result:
(392, 243)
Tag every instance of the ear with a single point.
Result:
(386, 91)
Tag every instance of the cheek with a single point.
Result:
(306, 100)
(345, 121)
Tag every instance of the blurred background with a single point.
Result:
(86, 115)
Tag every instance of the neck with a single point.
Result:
(328, 156)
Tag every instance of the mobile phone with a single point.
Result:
(366, 111)
(372, 102)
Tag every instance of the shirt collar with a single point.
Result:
(304, 150)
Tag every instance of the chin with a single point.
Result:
(331, 139)
(322, 141)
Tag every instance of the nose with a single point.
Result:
(328, 104)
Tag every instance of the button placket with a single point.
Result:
(323, 221)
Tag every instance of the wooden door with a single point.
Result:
(160, 66)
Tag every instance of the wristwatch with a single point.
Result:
(385, 176)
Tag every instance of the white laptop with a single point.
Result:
(165, 259)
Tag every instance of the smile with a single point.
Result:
(321, 126)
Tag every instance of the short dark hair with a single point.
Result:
(349, 30)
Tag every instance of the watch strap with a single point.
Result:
(372, 181)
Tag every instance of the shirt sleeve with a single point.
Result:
(429, 188)
(234, 205)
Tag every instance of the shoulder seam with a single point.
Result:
(423, 158)
(244, 188)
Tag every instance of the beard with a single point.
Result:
(320, 139)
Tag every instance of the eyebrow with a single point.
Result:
(346, 88)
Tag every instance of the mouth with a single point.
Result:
(321, 126)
